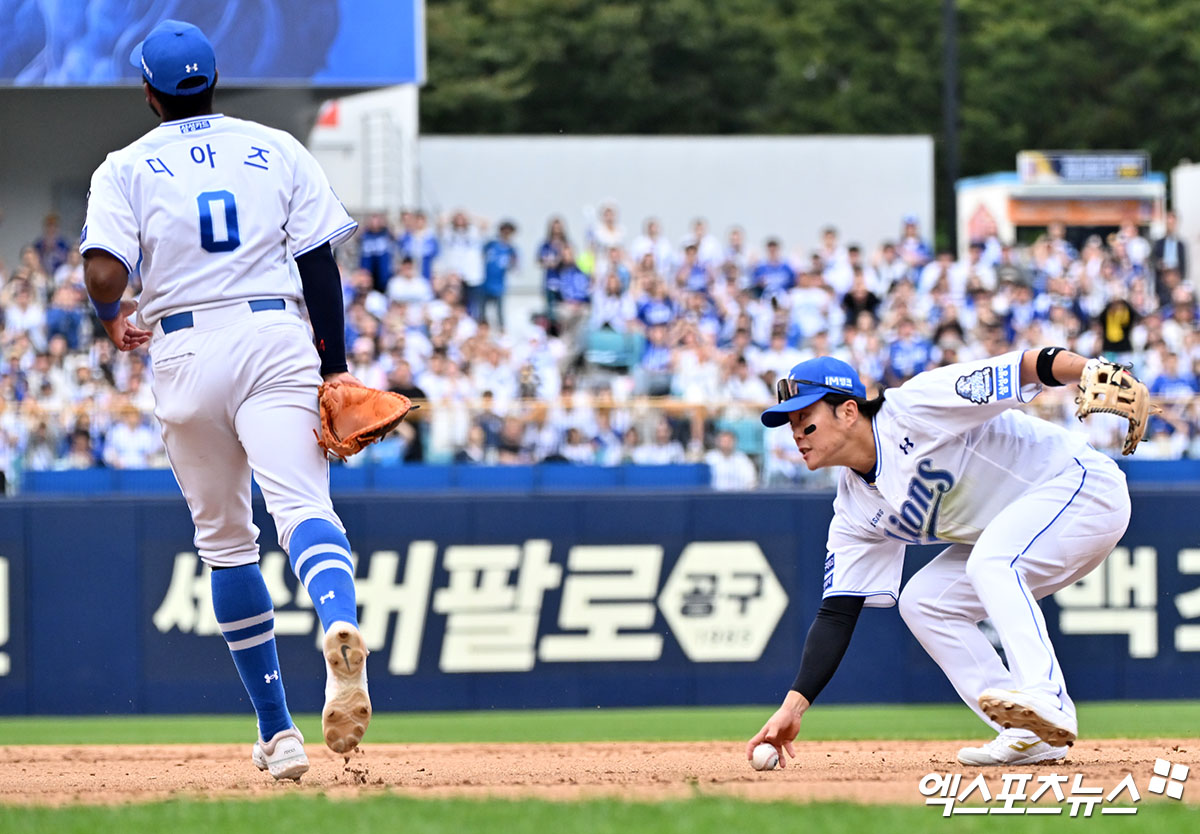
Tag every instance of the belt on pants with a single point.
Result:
(182, 321)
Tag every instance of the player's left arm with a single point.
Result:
(322, 286)
(826, 644)
(1051, 366)
(106, 278)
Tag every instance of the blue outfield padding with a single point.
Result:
(525, 480)
(546, 599)
(666, 476)
(1160, 471)
(412, 477)
(570, 476)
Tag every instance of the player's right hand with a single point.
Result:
(781, 728)
(123, 334)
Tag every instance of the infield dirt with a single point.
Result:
(860, 771)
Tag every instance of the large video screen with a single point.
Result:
(336, 43)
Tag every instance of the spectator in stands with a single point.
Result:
(80, 454)
(131, 442)
(731, 469)
(709, 251)
(511, 448)
(693, 275)
(25, 316)
(51, 246)
(654, 303)
(653, 243)
(607, 232)
(1168, 259)
(409, 286)
(890, 266)
(462, 253)
(364, 363)
(475, 450)
(550, 256)
(909, 354)
(1118, 320)
(913, 248)
(577, 448)
(612, 309)
(71, 271)
(1174, 389)
(500, 259)
(571, 314)
(1137, 248)
(663, 450)
(860, 298)
(737, 258)
(66, 315)
(359, 288)
(772, 275)
(419, 242)
(375, 250)
(607, 441)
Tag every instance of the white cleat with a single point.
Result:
(347, 709)
(1011, 747)
(1028, 711)
(283, 755)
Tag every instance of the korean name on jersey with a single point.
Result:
(221, 204)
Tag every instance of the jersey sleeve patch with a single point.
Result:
(1004, 382)
(976, 386)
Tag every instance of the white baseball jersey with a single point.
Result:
(211, 207)
(950, 455)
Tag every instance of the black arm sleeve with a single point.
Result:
(323, 296)
(828, 638)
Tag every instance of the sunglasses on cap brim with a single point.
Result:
(787, 388)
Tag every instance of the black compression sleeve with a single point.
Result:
(323, 296)
(1045, 362)
(828, 638)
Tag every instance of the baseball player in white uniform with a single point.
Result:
(211, 208)
(1024, 508)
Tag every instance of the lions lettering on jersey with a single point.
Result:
(917, 521)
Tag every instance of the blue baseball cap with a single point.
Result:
(173, 56)
(807, 383)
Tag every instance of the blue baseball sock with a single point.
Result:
(320, 556)
(247, 620)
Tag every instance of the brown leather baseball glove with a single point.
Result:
(1108, 388)
(353, 416)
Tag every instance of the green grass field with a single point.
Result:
(700, 815)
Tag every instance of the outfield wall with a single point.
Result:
(483, 601)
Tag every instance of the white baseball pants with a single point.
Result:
(236, 393)
(1052, 536)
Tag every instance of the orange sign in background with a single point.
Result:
(1027, 212)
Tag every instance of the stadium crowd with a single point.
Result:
(646, 350)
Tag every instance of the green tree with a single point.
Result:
(1089, 74)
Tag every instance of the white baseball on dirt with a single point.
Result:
(764, 757)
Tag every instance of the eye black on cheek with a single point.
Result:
(810, 428)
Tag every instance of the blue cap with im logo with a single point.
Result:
(810, 381)
(176, 59)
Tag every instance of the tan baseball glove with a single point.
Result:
(353, 416)
(1108, 388)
